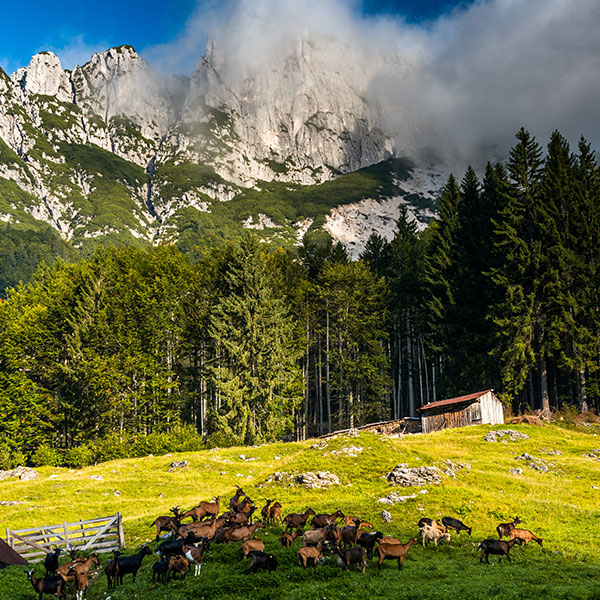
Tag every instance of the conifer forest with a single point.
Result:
(247, 343)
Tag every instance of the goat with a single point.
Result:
(241, 534)
(112, 569)
(252, 546)
(388, 539)
(178, 564)
(131, 564)
(173, 546)
(297, 520)
(394, 551)
(368, 541)
(323, 519)
(499, 547)
(159, 571)
(351, 556)
(235, 500)
(83, 562)
(525, 536)
(223, 535)
(261, 560)
(165, 523)
(350, 533)
(430, 523)
(199, 529)
(52, 584)
(316, 536)
(309, 553)
(51, 560)
(204, 509)
(335, 536)
(195, 556)
(432, 533)
(80, 572)
(504, 529)
(242, 518)
(458, 526)
(275, 513)
(287, 539)
(264, 513)
(348, 520)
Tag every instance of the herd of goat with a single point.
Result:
(190, 541)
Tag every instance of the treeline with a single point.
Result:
(250, 344)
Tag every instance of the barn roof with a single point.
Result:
(451, 401)
(8, 556)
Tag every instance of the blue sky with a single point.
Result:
(74, 30)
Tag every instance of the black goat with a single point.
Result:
(261, 560)
(53, 584)
(131, 564)
(159, 571)
(174, 546)
(51, 560)
(499, 547)
(368, 541)
(458, 526)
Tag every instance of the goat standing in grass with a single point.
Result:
(52, 584)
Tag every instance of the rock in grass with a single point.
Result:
(516, 471)
(513, 435)
(386, 516)
(178, 464)
(414, 476)
(23, 473)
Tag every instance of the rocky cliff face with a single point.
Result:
(112, 151)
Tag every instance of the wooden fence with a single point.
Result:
(100, 535)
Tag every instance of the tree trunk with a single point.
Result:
(411, 392)
(583, 403)
(327, 395)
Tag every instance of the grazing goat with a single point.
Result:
(199, 529)
(178, 564)
(316, 536)
(51, 560)
(309, 553)
(275, 513)
(394, 551)
(368, 541)
(131, 564)
(430, 523)
(52, 584)
(499, 547)
(264, 513)
(352, 556)
(433, 534)
(504, 529)
(261, 560)
(323, 519)
(287, 539)
(458, 526)
(241, 534)
(252, 546)
(204, 509)
(350, 533)
(297, 520)
(159, 571)
(348, 520)
(388, 539)
(195, 556)
(525, 536)
(112, 569)
(165, 523)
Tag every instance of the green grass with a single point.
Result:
(562, 508)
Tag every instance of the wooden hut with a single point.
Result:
(473, 409)
(8, 556)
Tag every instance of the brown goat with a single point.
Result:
(309, 553)
(79, 570)
(84, 563)
(111, 569)
(316, 536)
(287, 539)
(178, 565)
(351, 556)
(199, 529)
(350, 533)
(298, 520)
(235, 500)
(165, 523)
(525, 536)
(504, 529)
(388, 539)
(323, 519)
(275, 513)
(194, 556)
(348, 520)
(251, 546)
(223, 535)
(204, 509)
(264, 512)
(394, 551)
(244, 533)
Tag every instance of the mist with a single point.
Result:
(460, 86)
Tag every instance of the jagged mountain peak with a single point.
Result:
(45, 76)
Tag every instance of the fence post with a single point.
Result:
(120, 530)
(66, 536)
(8, 541)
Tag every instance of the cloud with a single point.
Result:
(462, 84)
(75, 51)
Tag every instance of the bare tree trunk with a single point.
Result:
(327, 394)
(320, 389)
(411, 392)
(583, 403)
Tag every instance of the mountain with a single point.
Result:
(112, 153)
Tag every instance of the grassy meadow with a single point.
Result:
(561, 506)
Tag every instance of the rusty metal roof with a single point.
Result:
(8, 556)
(451, 401)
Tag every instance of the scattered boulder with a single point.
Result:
(320, 445)
(536, 463)
(23, 473)
(97, 477)
(451, 468)
(386, 516)
(395, 498)
(318, 480)
(592, 455)
(512, 435)
(349, 451)
(10, 502)
(178, 464)
(414, 476)
(554, 453)
(516, 471)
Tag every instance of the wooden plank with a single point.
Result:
(120, 531)
(36, 546)
(103, 530)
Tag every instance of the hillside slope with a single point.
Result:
(561, 506)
